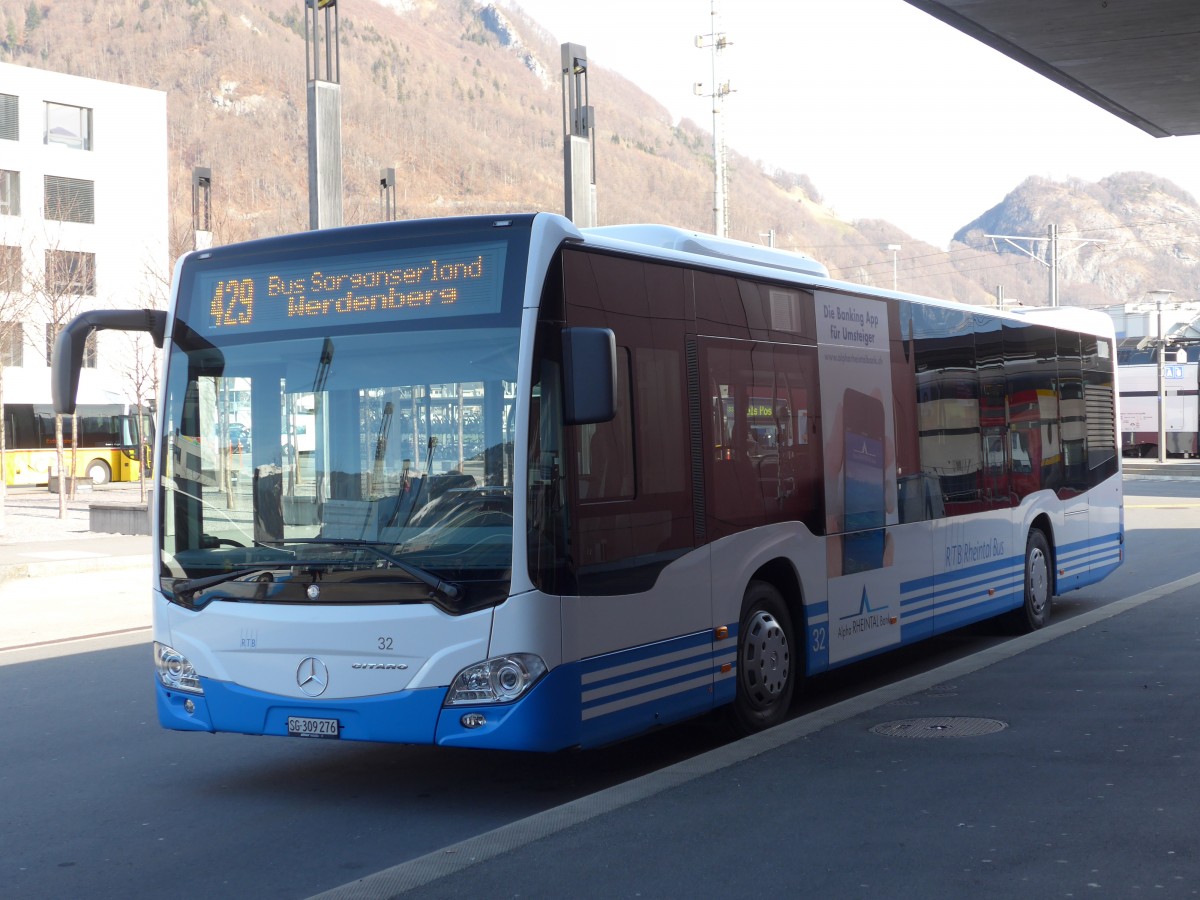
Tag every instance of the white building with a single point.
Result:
(83, 222)
(1141, 318)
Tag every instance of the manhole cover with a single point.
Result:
(939, 727)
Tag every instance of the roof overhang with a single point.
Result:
(1137, 60)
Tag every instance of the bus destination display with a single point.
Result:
(370, 288)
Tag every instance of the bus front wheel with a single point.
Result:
(1034, 611)
(766, 661)
(98, 471)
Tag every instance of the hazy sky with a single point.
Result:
(892, 114)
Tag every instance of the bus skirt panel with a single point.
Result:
(1087, 562)
(634, 690)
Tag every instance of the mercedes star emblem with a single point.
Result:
(312, 676)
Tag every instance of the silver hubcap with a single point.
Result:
(766, 660)
(1038, 581)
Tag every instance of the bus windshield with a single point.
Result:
(298, 449)
(344, 404)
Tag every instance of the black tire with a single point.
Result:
(1034, 611)
(767, 661)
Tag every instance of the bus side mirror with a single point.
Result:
(589, 375)
(70, 343)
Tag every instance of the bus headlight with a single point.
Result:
(500, 679)
(174, 671)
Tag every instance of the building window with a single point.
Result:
(69, 125)
(89, 346)
(10, 269)
(12, 344)
(70, 272)
(70, 199)
(9, 125)
(10, 193)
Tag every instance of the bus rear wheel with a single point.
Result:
(98, 471)
(1034, 611)
(766, 663)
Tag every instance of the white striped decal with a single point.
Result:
(628, 678)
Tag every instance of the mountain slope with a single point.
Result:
(463, 100)
(1118, 238)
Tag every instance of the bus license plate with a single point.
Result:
(299, 726)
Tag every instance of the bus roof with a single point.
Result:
(641, 238)
(1078, 318)
(698, 243)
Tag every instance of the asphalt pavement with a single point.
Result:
(1061, 764)
(1064, 763)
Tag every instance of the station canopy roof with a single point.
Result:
(1138, 59)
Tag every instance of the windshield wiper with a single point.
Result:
(412, 503)
(447, 589)
(187, 589)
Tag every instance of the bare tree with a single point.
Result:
(140, 367)
(14, 305)
(58, 292)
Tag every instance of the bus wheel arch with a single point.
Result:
(1042, 524)
(1037, 591)
(770, 661)
(98, 471)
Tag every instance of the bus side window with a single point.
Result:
(606, 449)
(1071, 415)
(1099, 397)
(762, 465)
(948, 409)
(631, 496)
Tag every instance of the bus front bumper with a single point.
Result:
(545, 719)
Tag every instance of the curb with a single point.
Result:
(42, 569)
(1161, 471)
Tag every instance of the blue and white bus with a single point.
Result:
(558, 487)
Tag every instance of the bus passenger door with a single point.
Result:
(644, 629)
(762, 475)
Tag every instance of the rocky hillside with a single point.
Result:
(1118, 237)
(463, 99)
